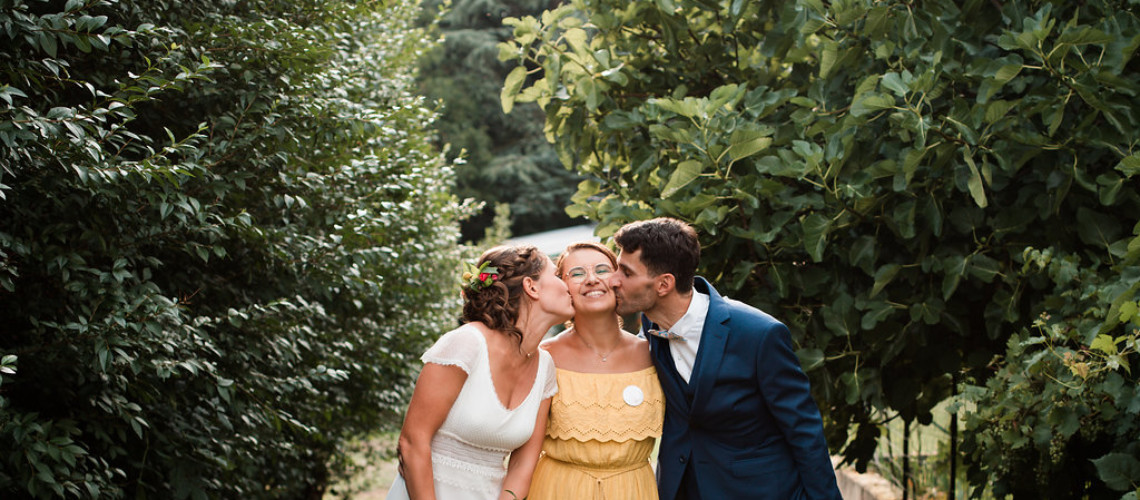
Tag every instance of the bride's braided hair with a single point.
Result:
(497, 305)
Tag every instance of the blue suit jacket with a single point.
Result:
(746, 421)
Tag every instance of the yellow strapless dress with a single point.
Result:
(600, 436)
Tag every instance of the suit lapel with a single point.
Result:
(714, 337)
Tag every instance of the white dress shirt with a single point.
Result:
(689, 327)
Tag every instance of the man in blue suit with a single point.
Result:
(740, 422)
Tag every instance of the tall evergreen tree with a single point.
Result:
(506, 158)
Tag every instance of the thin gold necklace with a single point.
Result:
(600, 355)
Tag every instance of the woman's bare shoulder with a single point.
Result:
(558, 346)
(557, 342)
(640, 348)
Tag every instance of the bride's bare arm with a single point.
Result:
(523, 460)
(435, 393)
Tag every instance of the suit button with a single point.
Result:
(682, 459)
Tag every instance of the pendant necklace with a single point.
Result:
(600, 355)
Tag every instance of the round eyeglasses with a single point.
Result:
(579, 274)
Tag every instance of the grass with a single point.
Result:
(372, 470)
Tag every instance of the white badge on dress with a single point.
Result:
(633, 395)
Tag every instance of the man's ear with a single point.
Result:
(530, 287)
(666, 283)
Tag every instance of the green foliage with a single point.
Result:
(1064, 409)
(872, 172)
(505, 159)
(500, 228)
(222, 228)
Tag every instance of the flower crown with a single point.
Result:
(478, 278)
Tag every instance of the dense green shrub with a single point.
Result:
(223, 229)
(1063, 406)
(878, 174)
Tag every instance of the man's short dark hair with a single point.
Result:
(667, 246)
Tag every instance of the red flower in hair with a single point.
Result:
(478, 278)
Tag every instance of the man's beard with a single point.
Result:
(620, 308)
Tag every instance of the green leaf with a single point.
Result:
(1084, 35)
(725, 96)
(983, 267)
(1119, 471)
(811, 26)
(883, 277)
(850, 382)
(1105, 344)
(1007, 73)
(862, 252)
(47, 42)
(104, 357)
(511, 88)
(675, 132)
(6, 93)
(846, 13)
(995, 110)
(894, 83)
(875, 314)
(810, 358)
(911, 162)
(580, 210)
(903, 217)
(1096, 228)
(1109, 188)
(1128, 310)
(876, 22)
(1056, 118)
(816, 6)
(1130, 165)
(589, 87)
(928, 311)
(815, 228)
(745, 143)
(687, 107)
(576, 39)
(954, 267)
(977, 190)
(871, 103)
(827, 57)
(685, 173)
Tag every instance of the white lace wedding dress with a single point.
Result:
(468, 452)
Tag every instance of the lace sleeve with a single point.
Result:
(551, 375)
(459, 347)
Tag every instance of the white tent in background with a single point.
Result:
(554, 242)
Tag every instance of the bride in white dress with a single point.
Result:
(485, 388)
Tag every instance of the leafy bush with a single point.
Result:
(872, 172)
(223, 228)
(1060, 418)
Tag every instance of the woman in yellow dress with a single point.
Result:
(608, 412)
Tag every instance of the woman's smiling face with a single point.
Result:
(586, 273)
